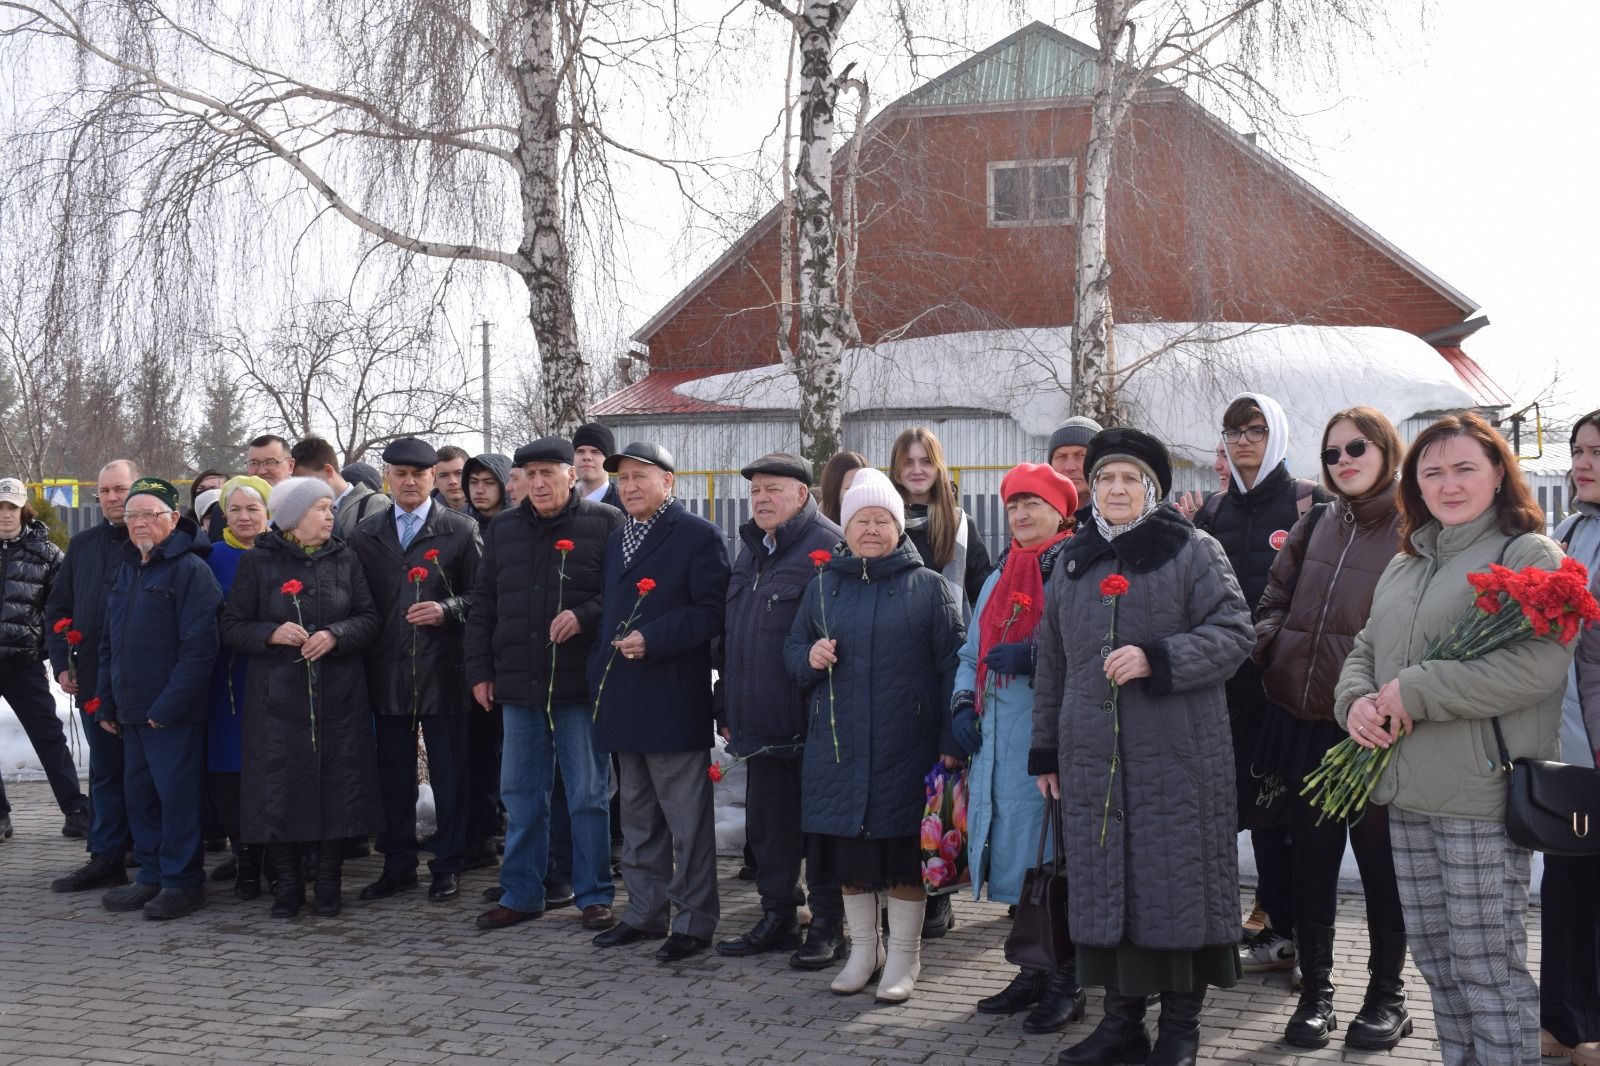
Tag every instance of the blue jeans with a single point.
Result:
(163, 780)
(529, 756)
(110, 838)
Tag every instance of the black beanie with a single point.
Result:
(595, 435)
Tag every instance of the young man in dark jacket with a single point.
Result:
(764, 712)
(79, 593)
(1252, 521)
(414, 675)
(536, 615)
(157, 651)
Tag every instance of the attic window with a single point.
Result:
(1036, 192)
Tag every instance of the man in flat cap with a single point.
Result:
(420, 560)
(592, 445)
(535, 617)
(666, 576)
(764, 713)
(157, 651)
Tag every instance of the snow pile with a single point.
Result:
(1179, 376)
(728, 798)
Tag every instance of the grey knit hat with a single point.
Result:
(293, 497)
(1076, 431)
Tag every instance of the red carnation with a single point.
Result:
(821, 557)
(714, 771)
(564, 546)
(431, 554)
(74, 637)
(1113, 585)
(292, 587)
(61, 626)
(645, 585)
(419, 574)
(1488, 603)
(1021, 601)
(91, 706)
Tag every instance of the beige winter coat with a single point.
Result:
(1449, 766)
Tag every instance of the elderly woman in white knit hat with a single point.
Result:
(301, 611)
(875, 646)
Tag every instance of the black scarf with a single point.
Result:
(1154, 542)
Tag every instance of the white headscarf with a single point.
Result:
(1277, 449)
(1152, 500)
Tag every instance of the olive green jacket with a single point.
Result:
(1450, 766)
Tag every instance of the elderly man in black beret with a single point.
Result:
(764, 715)
(666, 577)
(420, 561)
(157, 650)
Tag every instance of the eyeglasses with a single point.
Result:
(1355, 450)
(264, 464)
(143, 516)
(1253, 434)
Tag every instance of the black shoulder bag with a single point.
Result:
(1039, 939)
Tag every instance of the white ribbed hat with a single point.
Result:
(872, 488)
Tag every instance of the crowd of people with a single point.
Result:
(1164, 671)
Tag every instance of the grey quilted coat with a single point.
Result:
(1167, 874)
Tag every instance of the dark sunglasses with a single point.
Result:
(1355, 450)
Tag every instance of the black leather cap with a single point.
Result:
(654, 454)
(544, 450)
(410, 451)
(779, 464)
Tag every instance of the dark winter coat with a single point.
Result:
(756, 700)
(496, 464)
(899, 634)
(1167, 874)
(978, 567)
(29, 564)
(79, 593)
(225, 717)
(1319, 596)
(436, 674)
(662, 702)
(160, 639)
(290, 788)
(520, 590)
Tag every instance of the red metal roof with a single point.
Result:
(1477, 381)
(654, 395)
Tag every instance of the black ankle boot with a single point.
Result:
(777, 930)
(1178, 1030)
(1062, 1004)
(1119, 1038)
(247, 885)
(1383, 1020)
(823, 946)
(1023, 992)
(1313, 1020)
(290, 894)
(330, 866)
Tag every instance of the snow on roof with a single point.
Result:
(1179, 377)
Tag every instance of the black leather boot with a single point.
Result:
(1313, 1020)
(1383, 1020)
(247, 885)
(776, 931)
(1023, 992)
(1119, 1038)
(289, 895)
(1178, 1030)
(824, 944)
(330, 868)
(1062, 1004)
(939, 918)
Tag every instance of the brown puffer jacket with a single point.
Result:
(1318, 597)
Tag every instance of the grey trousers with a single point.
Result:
(1464, 890)
(669, 842)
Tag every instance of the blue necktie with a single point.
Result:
(408, 529)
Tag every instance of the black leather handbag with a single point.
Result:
(1039, 939)
(1550, 806)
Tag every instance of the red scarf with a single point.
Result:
(1014, 607)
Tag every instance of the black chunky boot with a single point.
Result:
(823, 946)
(330, 867)
(1313, 1020)
(1178, 1030)
(1119, 1039)
(777, 930)
(1023, 992)
(247, 885)
(1062, 1004)
(1383, 1020)
(289, 895)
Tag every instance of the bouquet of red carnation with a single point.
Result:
(1548, 601)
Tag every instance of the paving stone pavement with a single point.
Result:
(404, 981)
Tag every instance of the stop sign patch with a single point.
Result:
(1279, 538)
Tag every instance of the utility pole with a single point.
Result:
(488, 432)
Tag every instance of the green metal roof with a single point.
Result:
(1035, 63)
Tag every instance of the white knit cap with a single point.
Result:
(872, 488)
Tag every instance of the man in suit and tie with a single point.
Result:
(664, 581)
(421, 559)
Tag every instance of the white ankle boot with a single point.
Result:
(905, 950)
(866, 949)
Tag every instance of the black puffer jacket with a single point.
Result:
(441, 686)
(899, 635)
(293, 788)
(29, 564)
(519, 591)
(79, 593)
(758, 703)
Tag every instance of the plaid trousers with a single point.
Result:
(1464, 890)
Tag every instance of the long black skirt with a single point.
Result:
(872, 864)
